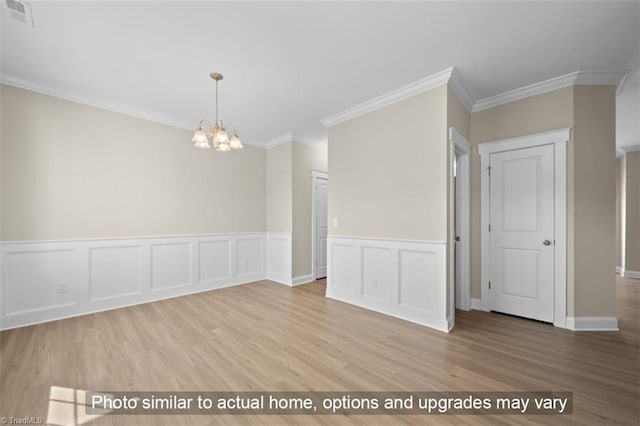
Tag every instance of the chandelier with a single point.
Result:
(217, 133)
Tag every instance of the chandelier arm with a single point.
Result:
(205, 124)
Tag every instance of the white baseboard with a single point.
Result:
(404, 279)
(50, 280)
(302, 279)
(451, 322)
(476, 304)
(630, 274)
(620, 271)
(592, 323)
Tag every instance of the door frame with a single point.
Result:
(461, 297)
(315, 176)
(557, 138)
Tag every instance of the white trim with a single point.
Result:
(560, 225)
(620, 271)
(279, 257)
(390, 240)
(139, 237)
(451, 322)
(622, 150)
(302, 279)
(460, 89)
(279, 140)
(109, 105)
(460, 291)
(476, 304)
(313, 143)
(104, 274)
(404, 92)
(459, 141)
(403, 279)
(559, 139)
(291, 137)
(319, 174)
(577, 78)
(315, 175)
(525, 141)
(592, 323)
(630, 274)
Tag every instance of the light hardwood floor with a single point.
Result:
(268, 337)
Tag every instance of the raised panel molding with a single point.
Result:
(215, 260)
(402, 278)
(170, 265)
(279, 257)
(51, 280)
(250, 256)
(114, 271)
(36, 277)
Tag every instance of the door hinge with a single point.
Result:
(489, 227)
(489, 285)
(489, 169)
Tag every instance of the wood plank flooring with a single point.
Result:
(268, 337)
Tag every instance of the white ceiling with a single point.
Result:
(287, 65)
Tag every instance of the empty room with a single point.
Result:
(319, 212)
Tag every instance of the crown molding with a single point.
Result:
(291, 137)
(280, 140)
(389, 98)
(105, 104)
(622, 150)
(577, 78)
(95, 101)
(460, 89)
(313, 143)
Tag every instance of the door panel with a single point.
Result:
(321, 228)
(522, 213)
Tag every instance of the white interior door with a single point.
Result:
(522, 232)
(321, 227)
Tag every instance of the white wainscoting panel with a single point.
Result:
(405, 279)
(41, 273)
(215, 260)
(45, 281)
(170, 265)
(249, 256)
(114, 271)
(279, 257)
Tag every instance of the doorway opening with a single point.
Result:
(319, 224)
(459, 224)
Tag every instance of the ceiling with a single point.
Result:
(287, 65)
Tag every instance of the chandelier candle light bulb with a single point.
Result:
(217, 134)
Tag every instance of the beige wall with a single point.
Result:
(395, 156)
(619, 211)
(305, 159)
(591, 169)
(548, 111)
(458, 115)
(594, 168)
(74, 171)
(632, 206)
(279, 188)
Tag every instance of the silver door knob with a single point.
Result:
(546, 242)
